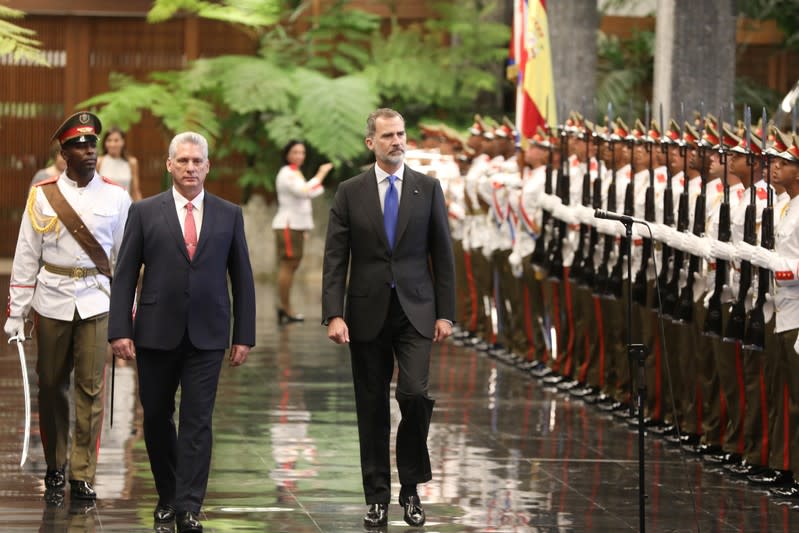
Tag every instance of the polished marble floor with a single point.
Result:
(507, 455)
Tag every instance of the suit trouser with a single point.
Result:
(674, 389)
(462, 305)
(534, 309)
(180, 461)
(81, 344)
(372, 370)
(617, 372)
(481, 268)
(780, 420)
(756, 416)
(587, 334)
(504, 299)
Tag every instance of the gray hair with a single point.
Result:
(188, 137)
(383, 112)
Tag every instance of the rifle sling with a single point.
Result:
(77, 228)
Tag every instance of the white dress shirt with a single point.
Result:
(383, 183)
(197, 213)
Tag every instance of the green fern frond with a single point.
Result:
(333, 111)
(249, 13)
(19, 42)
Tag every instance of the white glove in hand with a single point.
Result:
(700, 246)
(796, 345)
(744, 251)
(768, 308)
(764, 258)
(658, 231)
(15, 327)
(721, 250)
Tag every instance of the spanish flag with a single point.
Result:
(531, 63)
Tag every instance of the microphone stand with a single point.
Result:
(636, 353)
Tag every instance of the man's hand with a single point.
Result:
(337, 331)
(238, 354)
(15, 327)
(443, 330)
(124, 349)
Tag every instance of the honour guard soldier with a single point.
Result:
(67, 240)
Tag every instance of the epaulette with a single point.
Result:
(51, 179)
(111, 182)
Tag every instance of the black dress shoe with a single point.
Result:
(55, 479)
(81, 490)
(54, 497)
(164, 513)
(772, 478)
(745, 469)
(187, 521)
(709, 449)
(664, 429)
(724, 458)
(376, 515)
(413, 512)
(790, 492)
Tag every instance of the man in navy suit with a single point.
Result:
(189, 242)
(389, 227)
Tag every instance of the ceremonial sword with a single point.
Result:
(27, 394)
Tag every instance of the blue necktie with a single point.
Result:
(390, 209)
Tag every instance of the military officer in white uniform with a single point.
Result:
(56, 276)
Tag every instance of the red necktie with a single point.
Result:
(190, 231)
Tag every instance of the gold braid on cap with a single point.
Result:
(40, 224)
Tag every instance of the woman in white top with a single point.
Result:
(116, 164)
(293, 220)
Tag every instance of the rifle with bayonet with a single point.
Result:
(672, 290)
(539, 257)
(589, 270)
(755, 334)
(685, 303)
(639, 285)
(713, 326)
(736, 324)
(617, 275)
(579, 267)
(668, 219)
(602, 273)
(555, 252)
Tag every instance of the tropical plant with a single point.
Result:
(625, 71)
(18, 42)
(317, 85)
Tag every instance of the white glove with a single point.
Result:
(744, 251)
(700, 286)
(549, 201)
(764, 258)
(15, 327)
(516, 267)
(568, 214)
(768, 308)
(586, 215)
(721, 250)
(658, 231)
(796, 345)
(699, 246)
(668, 235)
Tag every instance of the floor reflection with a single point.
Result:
(508, 456)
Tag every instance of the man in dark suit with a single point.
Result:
(189, 242)
(389, 227)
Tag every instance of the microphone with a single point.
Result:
(624, 219)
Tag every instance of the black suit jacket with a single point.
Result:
(421, 263)
(179, 295)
